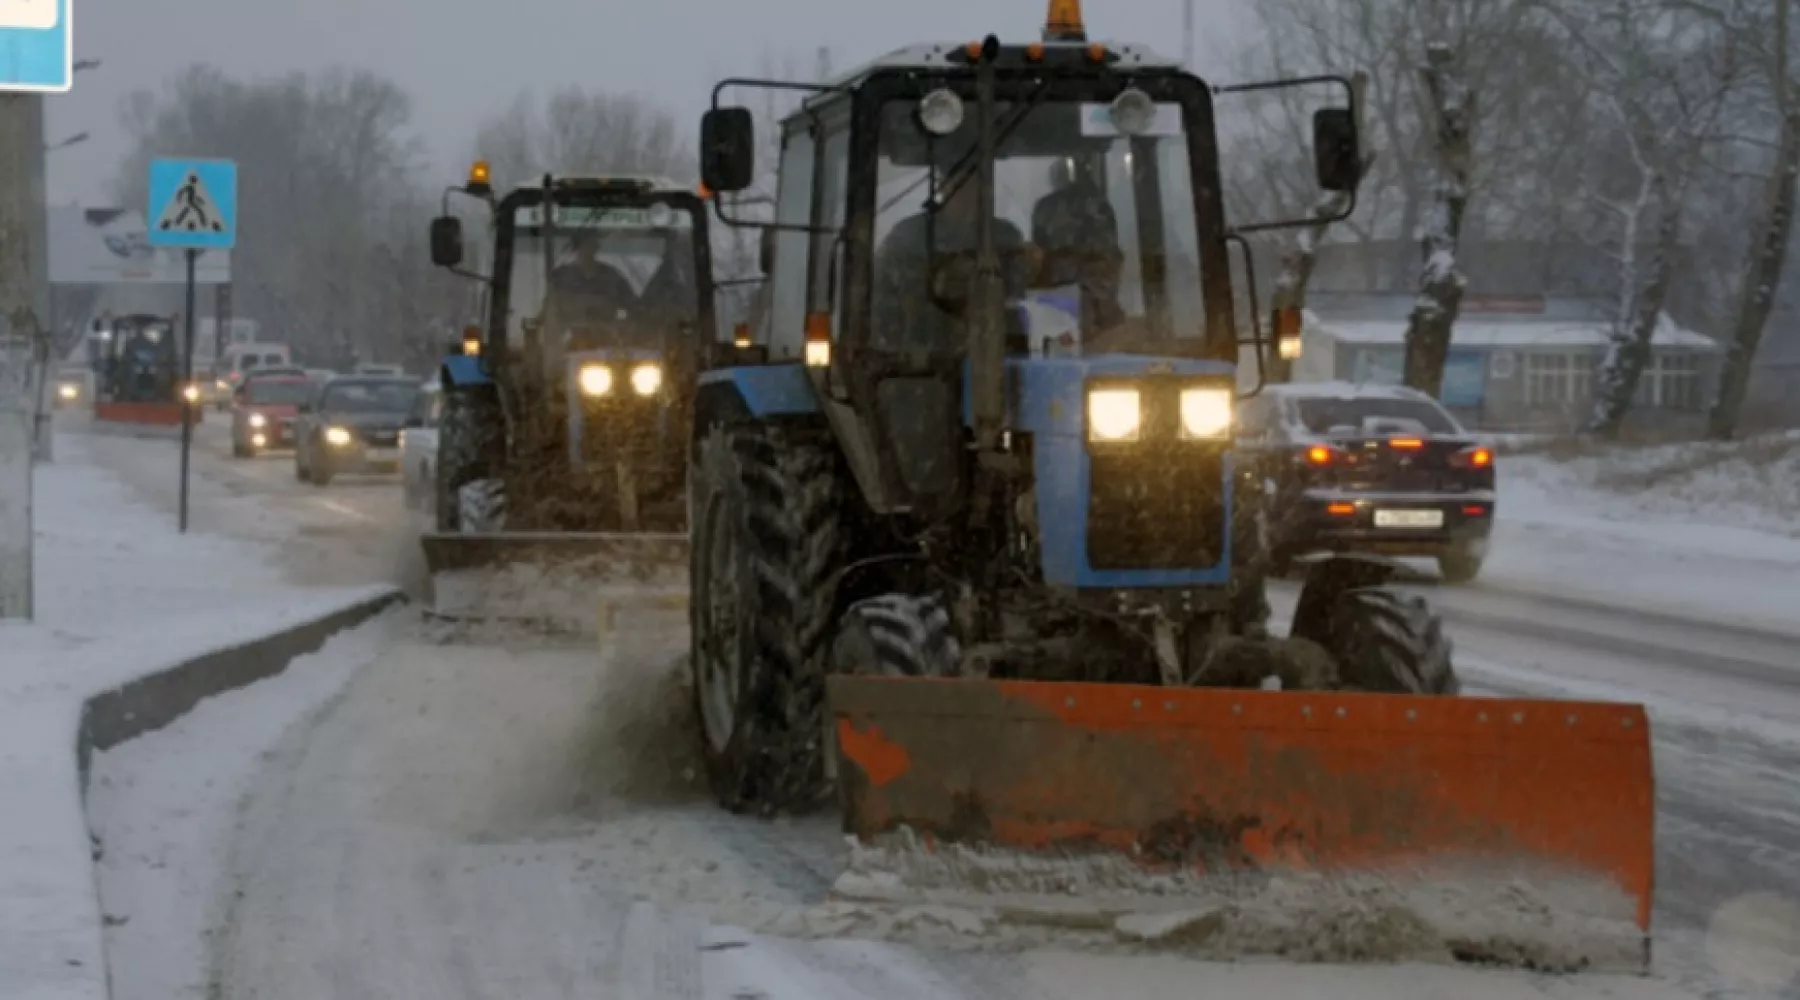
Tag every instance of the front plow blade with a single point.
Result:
(1455, 806)
(547, 581)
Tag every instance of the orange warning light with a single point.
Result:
(478, 177)
(1063, 22)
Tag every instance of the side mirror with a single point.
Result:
(414, 422)
(727, 149)
(766, 252)
(446, 241)
(1337, 156)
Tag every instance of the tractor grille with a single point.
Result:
(628, 431)
(1156, 507)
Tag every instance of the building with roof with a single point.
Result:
(1517, 362)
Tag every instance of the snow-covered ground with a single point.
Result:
(119, 593)
(1702, 530)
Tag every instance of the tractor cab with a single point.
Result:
(596, 294)
(138, 370)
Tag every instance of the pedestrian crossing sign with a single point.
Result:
(193, 204)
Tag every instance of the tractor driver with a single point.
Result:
(1078, 232)
(926, 263)
(587, 292)
(672, 296)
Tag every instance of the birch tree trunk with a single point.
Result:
(1440, 283)
(1629, 349)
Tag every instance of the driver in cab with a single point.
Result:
(588, 293)
(925, 264)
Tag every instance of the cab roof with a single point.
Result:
(934, 56)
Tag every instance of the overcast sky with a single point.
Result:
(464, 59)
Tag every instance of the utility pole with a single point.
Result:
(21, 144)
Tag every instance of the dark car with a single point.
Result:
(350, 426)
(1368, 468)
(264, 409)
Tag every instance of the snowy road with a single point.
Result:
(477, 821)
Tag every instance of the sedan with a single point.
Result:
(263, 411)
(351, 426)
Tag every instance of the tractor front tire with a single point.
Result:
(896, 635)
(768, 543)
(1387, 641)
(471, 448)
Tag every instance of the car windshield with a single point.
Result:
(273, 393)
(1369, 414)
(1096, 231)
(370, 397)
(630, 270)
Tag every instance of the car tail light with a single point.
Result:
(1321, 454)
(1406, 444)
(1341, 509)
(1473, 457)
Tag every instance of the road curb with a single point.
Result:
(155, 700)
(118, 714)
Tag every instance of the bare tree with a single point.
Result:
(583, 132)
(1772, 231)
(1440, 281)
(322, 159)
(1660, 81)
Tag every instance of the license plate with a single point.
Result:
(382, 454)
(1409, 519)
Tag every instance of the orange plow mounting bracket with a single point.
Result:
(1218, 780)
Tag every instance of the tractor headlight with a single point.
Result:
(941, 112)
(1114, 414)
(1205, 413)
(646, 379)
(258, 420)
(595, 380)
(67, 391)
(191, 393)
(337, 436)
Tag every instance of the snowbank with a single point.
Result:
(120, 595)
(1708, 530)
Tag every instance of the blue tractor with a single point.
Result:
(991, 442)
(565, 415)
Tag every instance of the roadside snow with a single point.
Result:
(1703, 530)
(119, 593)
(164, 807)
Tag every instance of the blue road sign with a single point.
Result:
(193, 203)
(37, 49)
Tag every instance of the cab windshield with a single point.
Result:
(1096, 230)
(620, 275)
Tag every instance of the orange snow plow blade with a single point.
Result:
(1214, 780)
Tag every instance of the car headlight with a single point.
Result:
(1206, 413)
(1114, 415)
(337, 436)
(646, 379)
(191, 393)
(258, 420)
(221, 385)
(68, 391)
(595, 380)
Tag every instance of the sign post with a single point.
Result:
(193, 205)
(36, 57)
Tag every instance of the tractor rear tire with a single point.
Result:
(896, 635)
(768, 543)
(1391, 642)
